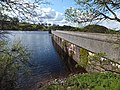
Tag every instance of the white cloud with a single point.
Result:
(44, 14)
(59, 16)
(111, 23)
(49, 15)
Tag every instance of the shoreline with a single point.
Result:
(24, 30)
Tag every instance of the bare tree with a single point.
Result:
(22, 9)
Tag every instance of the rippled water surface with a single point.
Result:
(43, 55)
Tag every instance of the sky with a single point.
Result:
(57, 10)
(54, 14)
(61, 5)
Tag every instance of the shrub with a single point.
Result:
(13, 65)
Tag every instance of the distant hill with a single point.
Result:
(96, 29)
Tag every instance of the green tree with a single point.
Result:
(93, 10)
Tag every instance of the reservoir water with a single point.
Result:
(47, 62)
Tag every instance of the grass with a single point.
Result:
(87, 81)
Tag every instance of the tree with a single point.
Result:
(22, 9)
(94, 10)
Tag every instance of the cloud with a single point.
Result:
(111, 23)
(49, 15)
(59, 16)
(40, 14)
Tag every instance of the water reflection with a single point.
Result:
(46, 61)
(43, 55)
(69, 62)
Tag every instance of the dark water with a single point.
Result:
(47, 63)
(43, 55)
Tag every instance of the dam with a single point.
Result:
(71, 42)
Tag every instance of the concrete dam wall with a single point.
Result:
(93, 42)
(72, 42)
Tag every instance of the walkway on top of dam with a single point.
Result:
(94, 42)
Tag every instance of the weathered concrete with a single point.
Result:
(94, 42)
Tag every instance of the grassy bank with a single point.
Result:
(87, 81)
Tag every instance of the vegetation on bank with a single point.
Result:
(14, 25)
(8, 23)
(87, 81)
(14, 64)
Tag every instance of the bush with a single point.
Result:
(13, 64)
